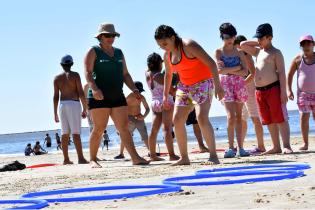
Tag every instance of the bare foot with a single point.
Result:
(182, 161)
(272, 151)
(95, 164)
(261, 149)
(304, 147)
(174, 157)
(203, 149)
(214, 160)
(140, 161)
(287, 151)
(67, 162)
(156, 158)
(83, 161)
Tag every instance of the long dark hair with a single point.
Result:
(164, 32)
(154, 62)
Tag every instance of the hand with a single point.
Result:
(219, 92)
(140, 117)
(56, 118)
(221, 64)
(137, 93)
(166, 104)
(97, 94)
(83, 114)
(290, 95)
(284, 97)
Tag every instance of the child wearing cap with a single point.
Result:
(250, 108)
(232, 68)
(304, 65)
(270, 82)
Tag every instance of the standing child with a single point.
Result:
(304, 64)
(251, 109)
(270, 84)
(232, 67)
(106, 140)
(198, 77)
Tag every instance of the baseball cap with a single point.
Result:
(263, 30)
(139, 86)
(67, 59)
(306, 38)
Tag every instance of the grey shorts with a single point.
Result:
(139, 125)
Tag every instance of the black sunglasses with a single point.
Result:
(109, 35)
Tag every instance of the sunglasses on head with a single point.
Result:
(109, 35)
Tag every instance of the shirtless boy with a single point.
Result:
(68, 88)
(136, 119)
(270, 82)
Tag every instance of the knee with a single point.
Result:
(231, 118)
(305, 116)
(178, 119)
(167, 130)
(98, 130)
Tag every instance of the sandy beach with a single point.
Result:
(286, 194)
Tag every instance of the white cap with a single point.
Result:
(67, 59)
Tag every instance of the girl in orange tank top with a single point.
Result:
(197, 77)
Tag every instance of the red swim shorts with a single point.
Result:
(271, 109)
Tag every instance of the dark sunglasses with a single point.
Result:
(109, 35)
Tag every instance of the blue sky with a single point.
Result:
(36, 34)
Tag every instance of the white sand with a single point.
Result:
(286, 194)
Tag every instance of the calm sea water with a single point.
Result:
(15, 143)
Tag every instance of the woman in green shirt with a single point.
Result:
(106, 72)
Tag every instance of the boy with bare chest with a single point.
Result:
(270, 82)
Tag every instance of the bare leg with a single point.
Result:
(120, 118)
(167, 126)
(259, 133)
(100, 119)
(274, 134)
(244, 130)
(284, 129)
(202, 113)
(180, 117)
(304, 122)
(156, 124)
(238, 124)
(231, 118)
(198, 134)
(65, 142)
(78, 147)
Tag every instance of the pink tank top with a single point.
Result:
(306, 77)
(156, 89)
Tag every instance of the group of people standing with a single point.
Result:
(232, 77)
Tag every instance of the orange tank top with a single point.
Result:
(190, 70)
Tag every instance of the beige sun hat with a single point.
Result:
(106, 28)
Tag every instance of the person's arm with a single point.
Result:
(279, 60)
(197, 51)
(167, 82)
(221, 68)
(88, 71)
(292, 70)
(56, 100)
(81, 95)
(146, 106)
(251, 68)
(128, 80)
(250, 47)
(244, 68)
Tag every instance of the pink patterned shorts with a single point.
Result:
(157, 105)
(189, 95)
(234, 88)
(306, 102)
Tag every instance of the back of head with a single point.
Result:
(154, 61)
(239, 39)
(29, 145)
(37, 142)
